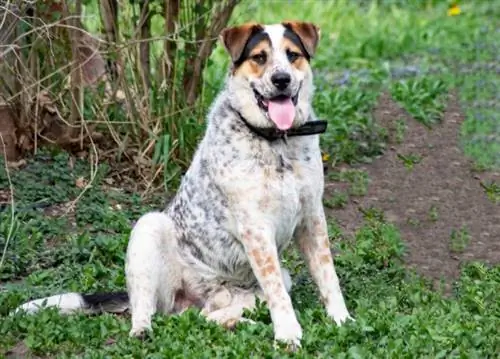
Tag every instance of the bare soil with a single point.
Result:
(441, 193)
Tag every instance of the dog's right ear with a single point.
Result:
(235, 38)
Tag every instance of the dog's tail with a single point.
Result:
(151, 226)
(68, 303)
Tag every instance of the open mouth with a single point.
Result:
(279, 109)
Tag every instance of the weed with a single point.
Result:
(337, 200)
(459, 239)
(433, 213)
(410, 160)
(373, 214)
(492, 190)
(413, 222)
(400, 130)
(357, 179)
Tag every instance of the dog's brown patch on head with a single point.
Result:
(295, 55)
(307, 32)
(256, 62)
(248, 47)
(235, 38)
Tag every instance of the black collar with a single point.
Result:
(272, 134)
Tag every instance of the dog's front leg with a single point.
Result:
(262, 254)
(314, 244)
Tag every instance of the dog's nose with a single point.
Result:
(281, 80)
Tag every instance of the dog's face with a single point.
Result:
(271, 80)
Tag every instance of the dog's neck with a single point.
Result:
(255, 121)
(272, 134)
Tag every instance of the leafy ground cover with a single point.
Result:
(383, 68)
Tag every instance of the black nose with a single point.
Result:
(281, 80)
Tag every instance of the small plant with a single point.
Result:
(373, 214)
(337, 200)
(400, 130)
(433, 213)
(410, 160)
(358, 179)
(379, 243)
(459, 239)
(413, 222)
(492, 190)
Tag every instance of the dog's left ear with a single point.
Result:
(307, 32)
(235, 38)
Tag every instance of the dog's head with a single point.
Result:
(271, 79)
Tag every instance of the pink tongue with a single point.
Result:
(282, 113)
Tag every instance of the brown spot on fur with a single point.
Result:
(325, 259)
(269, 269)
(269, 266)
(318, 228)
(257, 256)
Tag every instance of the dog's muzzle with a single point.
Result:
(264, 103)
(279, 109)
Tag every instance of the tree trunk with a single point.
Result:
(145, 34)
(109, 18)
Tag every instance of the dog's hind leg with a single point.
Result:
(152, 271)
(226, 306)
(231, 307)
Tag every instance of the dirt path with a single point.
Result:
(443, 213)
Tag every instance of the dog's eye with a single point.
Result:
(292, 56)
(260, 58)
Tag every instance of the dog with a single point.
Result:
(254, 186)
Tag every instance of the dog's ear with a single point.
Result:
(307, 32)
(235, 38)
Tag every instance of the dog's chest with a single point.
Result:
(293, 187)
(287, 211)
(278, 187)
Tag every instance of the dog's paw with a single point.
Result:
(290, 347)
(140, 332)
(340, 316)
(288, 333)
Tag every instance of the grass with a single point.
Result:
(416, 53)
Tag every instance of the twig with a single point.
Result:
(12, 206)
